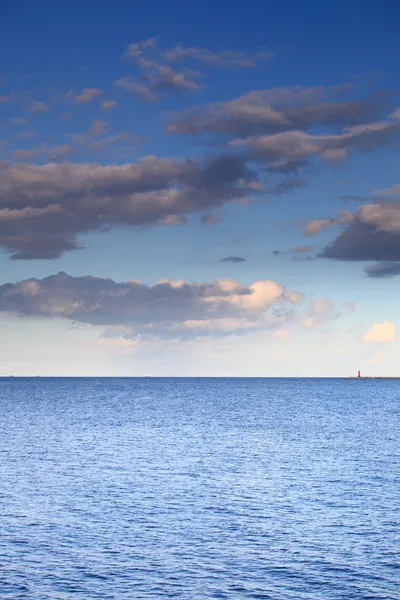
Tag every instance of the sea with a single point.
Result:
(130, 488)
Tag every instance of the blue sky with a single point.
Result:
(214, 145)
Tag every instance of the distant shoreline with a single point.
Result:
(214, 377)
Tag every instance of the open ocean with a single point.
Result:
(199, 488)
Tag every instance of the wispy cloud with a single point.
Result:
(87, 95)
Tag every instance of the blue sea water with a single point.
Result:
(199, 488)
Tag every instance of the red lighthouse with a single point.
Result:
(359, 374)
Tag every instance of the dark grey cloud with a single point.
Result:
(383, 270)
(168, 308)
(362, 242)
(371, 234)
(44, 207)
(234, 259)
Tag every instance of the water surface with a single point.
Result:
(199, 488)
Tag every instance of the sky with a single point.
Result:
(199, 189)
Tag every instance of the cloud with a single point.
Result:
(380, 333)
(119, 344)
(286, 130)
(44, 207)
(156, 75)
(315, 226)
(173, 220)
(87, 95)
(320, 312)
(132, 87)
(234, 259)
(282, 334)
(278, 110)
(54, 154)
(147, 50)
(98, 127)
(302, 249)
(208, 220)
(5, 99)
(296, 250)
(22, 155)
(350, 306)
(223, 59)
(108, 104)
(298, 145)
(37, 107)
(156, 80)
(167, 308)
(60, 152)
(383, 270)
(390, 191)
(373, 233)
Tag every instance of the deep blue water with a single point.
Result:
(199, 488)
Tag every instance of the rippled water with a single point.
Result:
(199, 488)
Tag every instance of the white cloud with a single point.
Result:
(380, 333)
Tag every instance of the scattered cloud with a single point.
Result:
(279, 111)
(22, 155)
(119, 344)
(282, 334)
(296, 250)
(108, 104)
(37, 107)
(44, 207)
(383, 270)
(286, 130)
(223, 59)
(372, 233)
(60, 152)
(173, 220)
(156, 75)
(315, 226)
(320, 312)
(167, 308)
(380, 333)
(234, 259)
(87, 95)
(390, 191)
(208, 220)
(98, 127)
